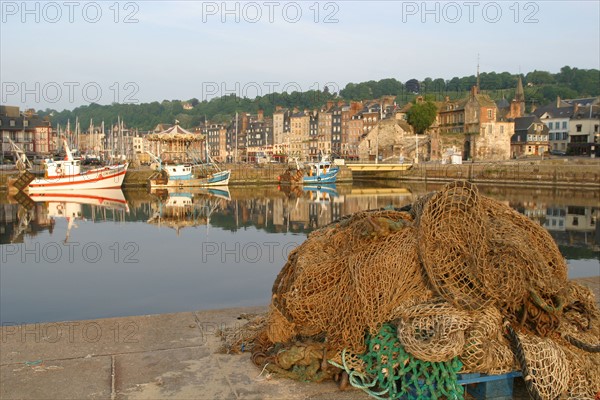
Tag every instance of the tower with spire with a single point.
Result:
(517, 105)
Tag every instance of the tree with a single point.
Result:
(421, 116)
(412, 86)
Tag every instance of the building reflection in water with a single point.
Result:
(570, 215)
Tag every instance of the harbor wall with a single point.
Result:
(536, 173)
(510, 173)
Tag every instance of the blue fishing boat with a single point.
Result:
(322, 172)
(188, 175)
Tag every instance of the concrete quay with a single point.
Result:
(149, 357)
(142, 357)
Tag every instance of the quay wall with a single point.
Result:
(509, 173)
(535, 173)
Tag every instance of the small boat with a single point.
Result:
(189, 175)
(322, 172)
(61, 175)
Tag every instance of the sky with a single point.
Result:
(61, 55)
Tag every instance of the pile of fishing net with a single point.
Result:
(398, 302)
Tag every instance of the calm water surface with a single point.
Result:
(111, 253)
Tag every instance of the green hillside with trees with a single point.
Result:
(541, 87)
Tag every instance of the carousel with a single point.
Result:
(176, 145)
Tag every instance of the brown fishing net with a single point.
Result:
(452, 241)
(328, 282)
(454, 274)
(548, 369)
(486, 350)
(433, 330)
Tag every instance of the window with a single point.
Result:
(550, 125)
(25, 123)
(12, 122)
(578, 126)
(551, 136)
(501, 129)
(564, 125)
(565, 136)
(490, 113)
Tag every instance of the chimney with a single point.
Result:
(474, 91)
(557, 101)
(329, 104)
(356, 106)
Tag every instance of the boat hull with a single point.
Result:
(220, 178)
(100, 178)
(329, 177)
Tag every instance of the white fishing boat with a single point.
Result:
(67, 174)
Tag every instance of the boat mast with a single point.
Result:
(75, 144)
(90, 135)
(236, 137)
(205, 141)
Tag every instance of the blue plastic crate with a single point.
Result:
(489, 387)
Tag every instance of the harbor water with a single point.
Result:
(113, 253)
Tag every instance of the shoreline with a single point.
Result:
(577, 173)
(148, 357)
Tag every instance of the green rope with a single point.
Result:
(392, 373)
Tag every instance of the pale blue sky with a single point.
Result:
(180, 50)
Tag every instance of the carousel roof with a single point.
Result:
(175, 134)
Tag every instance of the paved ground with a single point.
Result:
(146, 357)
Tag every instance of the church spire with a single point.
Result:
(520, 93)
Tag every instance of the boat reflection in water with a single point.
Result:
(190, 207)
(70, 205)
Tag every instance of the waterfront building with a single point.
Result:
(474, 125)
(27, 130)
(281, 132)
(584, 133)
(325, 123)
(530, 137)
(556, 116)
(300, 135)
(216, 140)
